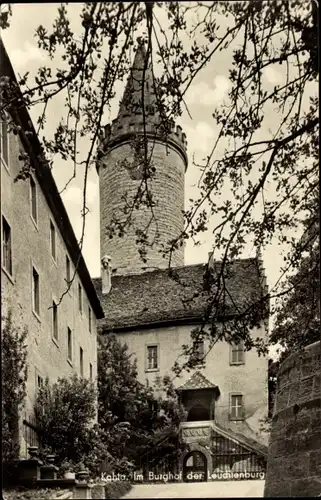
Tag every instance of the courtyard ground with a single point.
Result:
(212, 489)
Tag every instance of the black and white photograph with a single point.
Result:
(160, 249)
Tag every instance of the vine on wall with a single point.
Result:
(13, 384)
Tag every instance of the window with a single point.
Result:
(81, 362)
(6, 246)
(198, 347)
(69, 344)
(237, 354)
(152, 358)
(33, 200)
(54, 320)
(35, 291)
(80, 298)
(53, 240)
(4, 141)
(68, 273)
(236, 407)
(39, 382)
(90, 371)
(89, 318)
(153, 407)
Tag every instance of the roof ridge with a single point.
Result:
(177, 268)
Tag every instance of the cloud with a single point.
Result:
(200, 138)
(205, 95)
(272, 75)
(26, 54)
(74, 195)
(222, 85)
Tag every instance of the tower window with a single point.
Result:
(237, 353)
(90, 371)
(35, 292)
(236, 407)
(33, 200)
(152, 357)
(6, 246)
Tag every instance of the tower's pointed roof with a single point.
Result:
(140, 87)
(141, 111)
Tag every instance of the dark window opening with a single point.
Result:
(198, 413)
(6, 246)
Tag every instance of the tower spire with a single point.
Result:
(140, 88)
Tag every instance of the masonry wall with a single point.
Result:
(248, 379)
(31, 247)
(294, 457)
(167, 188)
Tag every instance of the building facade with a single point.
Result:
(39, 256)
(153, 312)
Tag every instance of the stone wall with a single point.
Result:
(30, 242)
(167, 188)
(294, 458)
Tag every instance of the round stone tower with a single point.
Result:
(125, 171)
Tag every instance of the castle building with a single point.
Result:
(39, 256)
(154, 314)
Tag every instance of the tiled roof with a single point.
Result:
(197, 381)
(241, 439)
(155, 297)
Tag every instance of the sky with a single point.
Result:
(203, 96)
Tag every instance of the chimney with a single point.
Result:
(106, 274)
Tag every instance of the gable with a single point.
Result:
(197, 381)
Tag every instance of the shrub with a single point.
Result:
(65, 413)
(117, 489)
